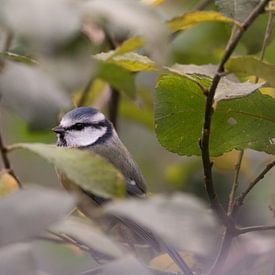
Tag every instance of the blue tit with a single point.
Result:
(88, 129)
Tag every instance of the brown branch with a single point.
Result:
(114, 106)
(256, 228)
(235, 183)
(204, 142)
(241, 198)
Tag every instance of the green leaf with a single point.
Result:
(248, 65)
(88, 170)
(189, 19)
(237, 9)
(118, 77)
(239, 123)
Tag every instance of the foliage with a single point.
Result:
(131, 59)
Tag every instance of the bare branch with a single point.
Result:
(256, 228)
(113, 106)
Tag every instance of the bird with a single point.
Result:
(86, 128)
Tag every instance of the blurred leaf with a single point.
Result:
(134, 17)
(96, 89)
(237, 9)
(133, 62)
(187, 46)
(248, 65)
(179, 173)
(70, 64)
(129, 45)
(17, 259)
(179, 108)
(228, 87)
(44, 23)
(165, 263)
(88, 170)
(18, 58)
(189, 19)
(127, 265)
(7, 184)
(32, 94)
(174, 220)
(153, 2)
(118, 77)
(141, 115)
(88, 235)
(28, 212)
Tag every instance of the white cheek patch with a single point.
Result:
(85, 137)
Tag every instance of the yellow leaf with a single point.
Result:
(7, 184)
(268, 91)
(189, 19)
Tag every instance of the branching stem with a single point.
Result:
(205, 138)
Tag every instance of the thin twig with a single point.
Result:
(235, 183)
(241, 198)
(114, 106)
(267, 35)
(85, 92)
(256, 228)
(204, 142)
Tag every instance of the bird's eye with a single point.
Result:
(79, 126)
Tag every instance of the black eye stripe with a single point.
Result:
(80, 126)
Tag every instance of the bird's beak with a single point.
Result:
(58, 129)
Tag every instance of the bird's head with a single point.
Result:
(83, 126)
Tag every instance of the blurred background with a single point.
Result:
(25, 121)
